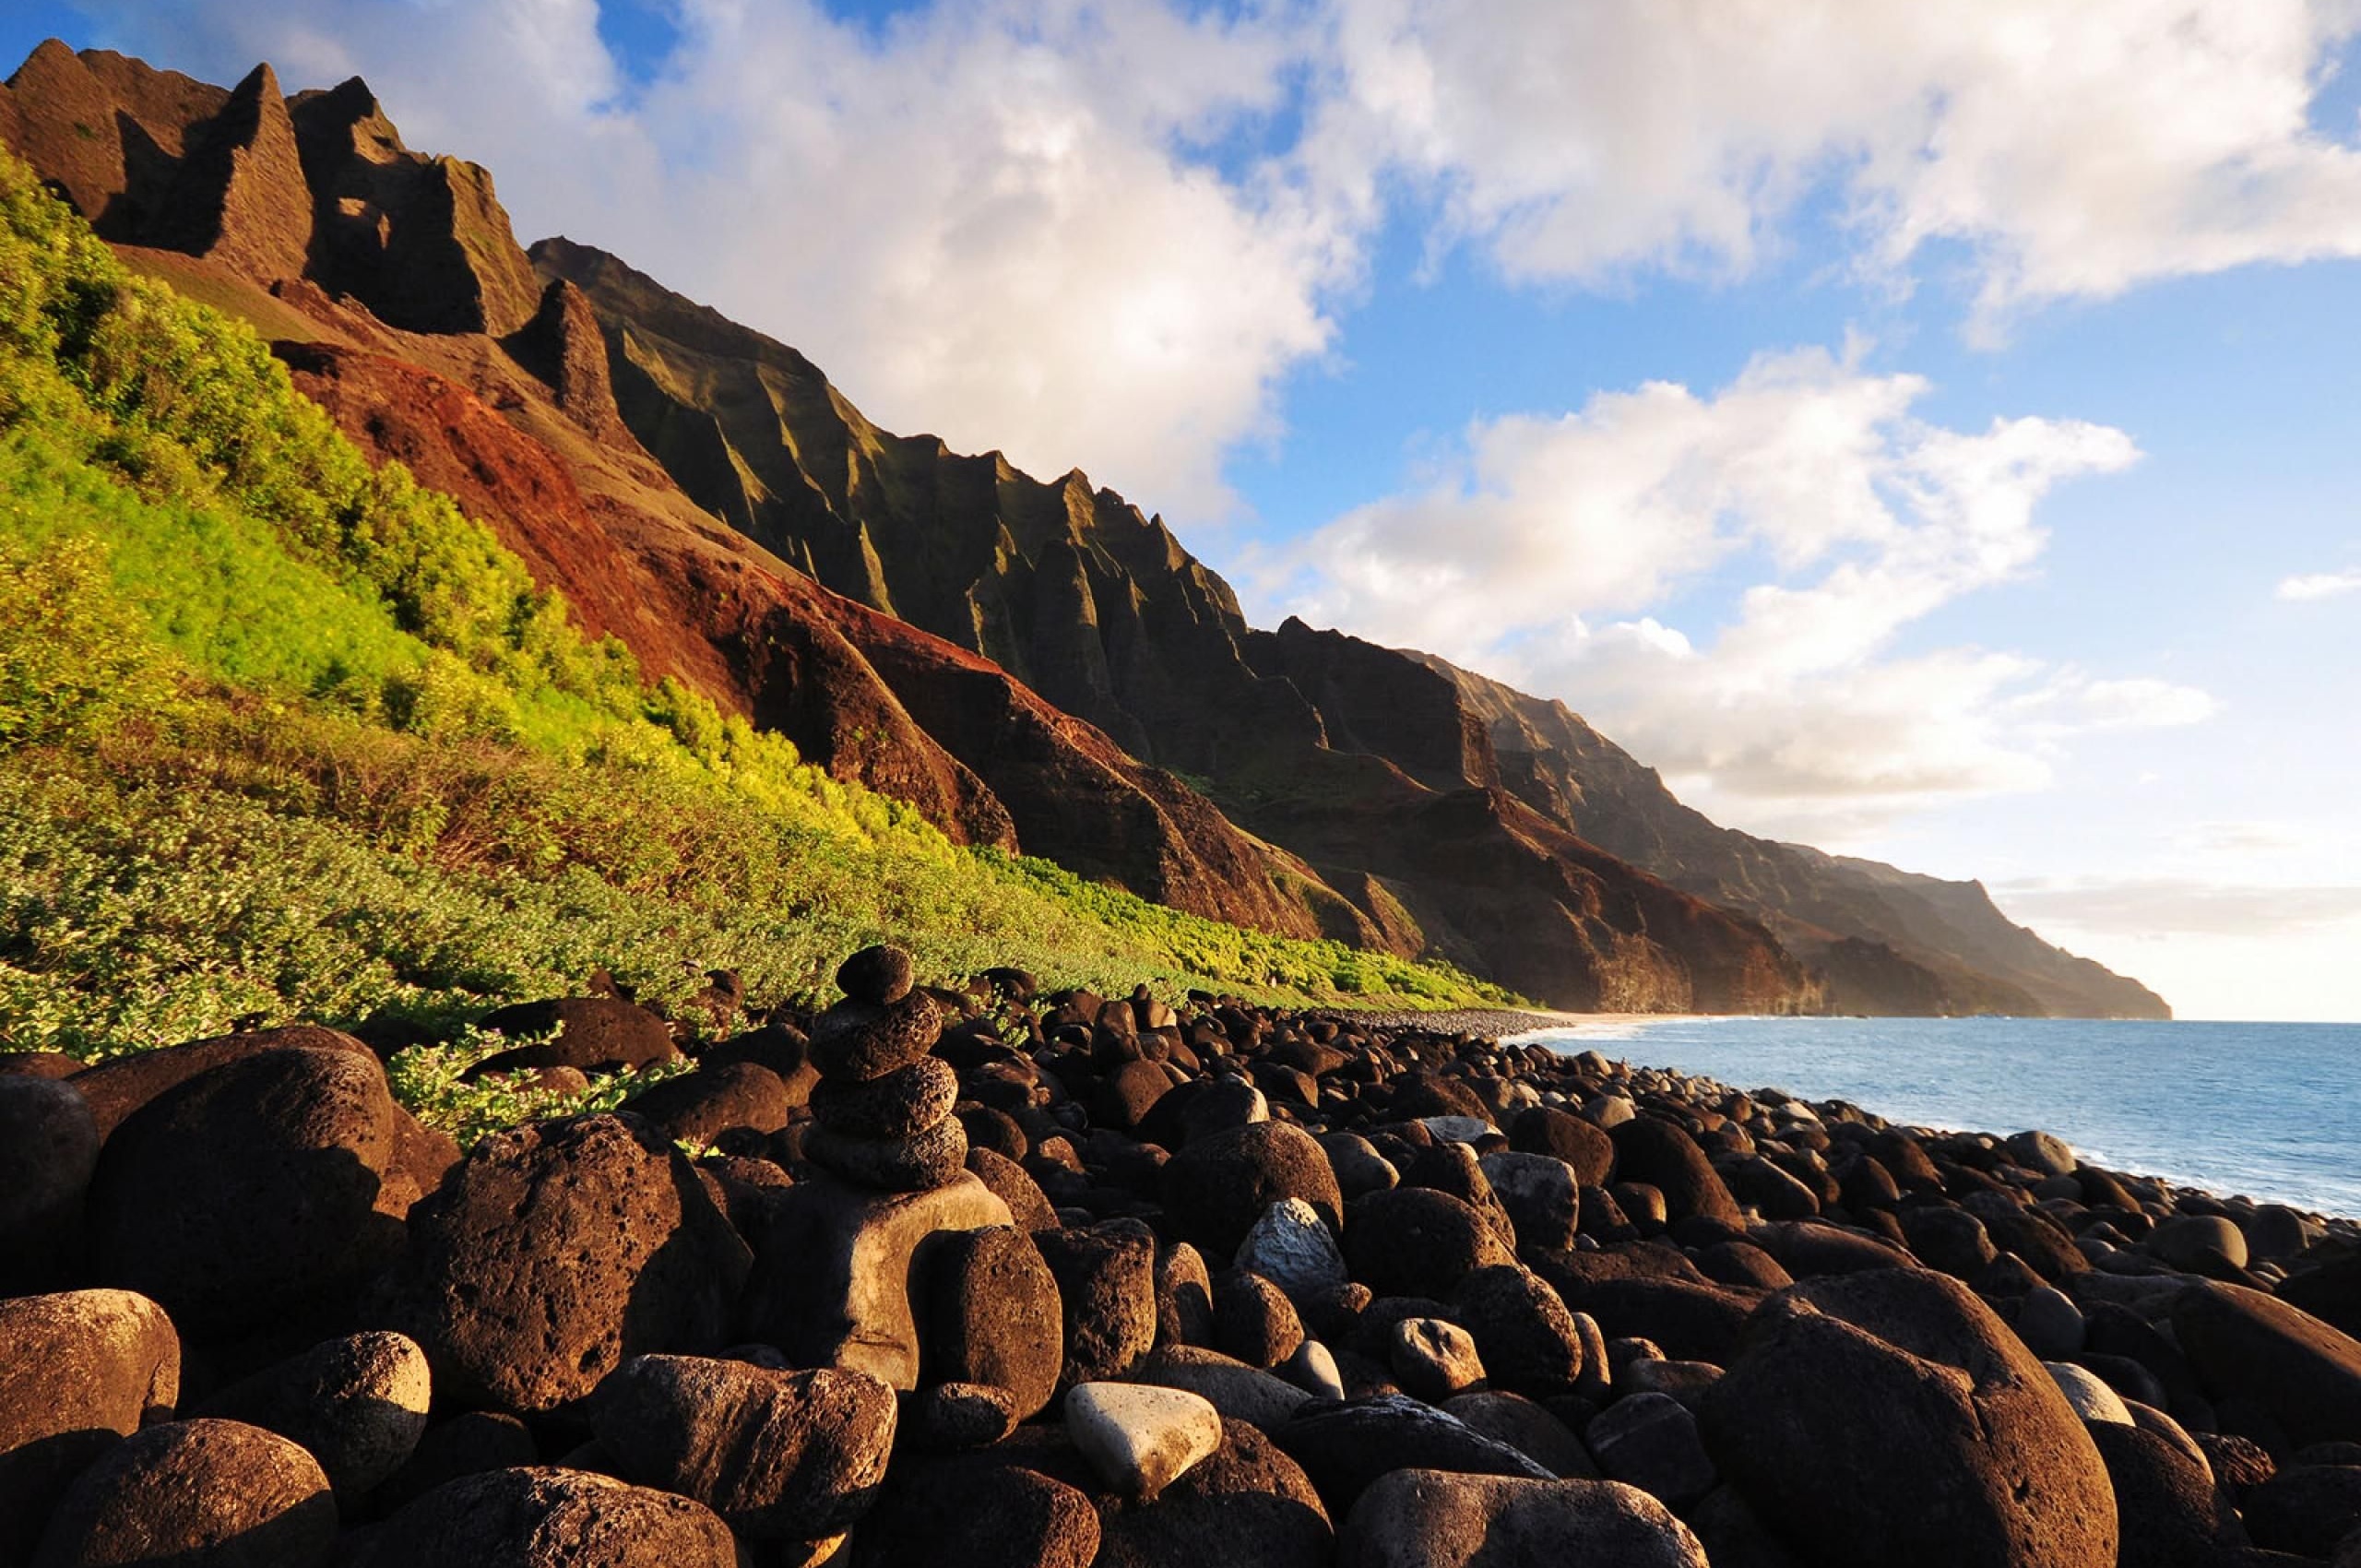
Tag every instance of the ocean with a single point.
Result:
(2272, 1110)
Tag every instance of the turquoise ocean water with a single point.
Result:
(2272, 1110)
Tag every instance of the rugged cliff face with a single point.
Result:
(1033, 664)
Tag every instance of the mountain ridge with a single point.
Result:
(1033, 663)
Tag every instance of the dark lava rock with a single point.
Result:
(116, 1088)
(595, 1034)
(1253, 1320)
(701, 1106)
(49, 1148)
(1562, 1135)
(1734, 1535)
(247, 1192)
(2168, 1512)
(1246, 1502)
(554, 1253)
(2305, 1509)
(357, 1405)
(1522, 1329)
(879, 976)
(1650, 1149)
(1184, 1297)
(543, 1517)
(954, 1418)
(1106, 1276)
(2304, 1374)
(195, 1494)
(902, 1104)
(992, 1316)
(902, 1165)
(1651, 1441)
(780, 1455)
(1949, 1239)
(1857, 1392)
(861, 1040)
(466, 1445)
(1690, 1320)
(1428, 1519)
(1028, 1206)
(1526, 1427)
(1418, 1242)
(1346, 1447)
(1216, 1188)
(978, 1514)
(79, 1371)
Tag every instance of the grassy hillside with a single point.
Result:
(281, 735)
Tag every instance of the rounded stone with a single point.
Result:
(1253, 1320)
(780, 1455)
(1002, 1516)
(1140, 1438)
(1216, 1188)
(79, 1370)
(699, 1107)
(554, 1253)
(246, 1192)
(879, 974)
(1106, 1276)
(357, 1405)
(543, 1517)
(915, 1164)
(1433, 1358)
(2088, 1394)
(1422, 1518)
(1522, 1328)
(2199, 1244)
(1418, 1242)
(1653, 1151)
(2042, 1152)
(593, 1034)
(902, 1104)
(196, 1494)
(1651, 1441)
(862, 1040)
(992, 1316)
(1562, 1135)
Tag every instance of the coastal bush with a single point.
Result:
(283, 734)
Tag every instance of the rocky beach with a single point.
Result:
(988, 1276)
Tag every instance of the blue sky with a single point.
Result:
(1898, 425)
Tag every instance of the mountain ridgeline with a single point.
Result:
(1036, 665)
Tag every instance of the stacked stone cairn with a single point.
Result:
(883, 1106)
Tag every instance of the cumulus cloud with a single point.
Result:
(995, 222)
(1721, 581)
(2320, 585)
(2075, 148)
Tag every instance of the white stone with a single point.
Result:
(2092, 1399)
(1290, 1247)
(1141, 1439)
(1457, 1129)
(1314, 1368)
(1609, 1110)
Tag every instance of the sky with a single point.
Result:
(1927, 431)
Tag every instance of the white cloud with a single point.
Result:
(2076, 148)
(986, 221)
(2160, 906)
(1720, 581)
(2320, 585)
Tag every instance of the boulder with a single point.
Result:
(544, 1517)
(992, 1316)
(1254, 1321)
(49, 1148)
(1027, 1205)
(79, 1371)
(246, 1193)
(115, 1089)
(2302, 1374)
(2305, 1509)
(2168, 1512)
(1241, 1393)
(593, 1034)
(835, 1268)
(1418, 1242)
(1651, 1441)
(984, 1515)
(1858, 1390)
(1216, 1188)
(1138, 1437)
(1292, 1247)
(1424, 1518)
(2088, 1393)
(2199, 1244)
(1527, 1336)
(2043, 1153)
(699, 1107)
(1433, 1358)
(1541, 1193)
(554, 1253)
(780, 1455)
(1184, 1295)
(195, 1494)
(878, 975)
(1562, 1135)
(1245, 1503)
(1652, 1150)
(468, 1444)
(954, 1418)
(357, 1405)
(1525, 1427)
(1345, 1448)
(916, 1164)
(1105, 1275)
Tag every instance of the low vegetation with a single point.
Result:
(282, 736)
